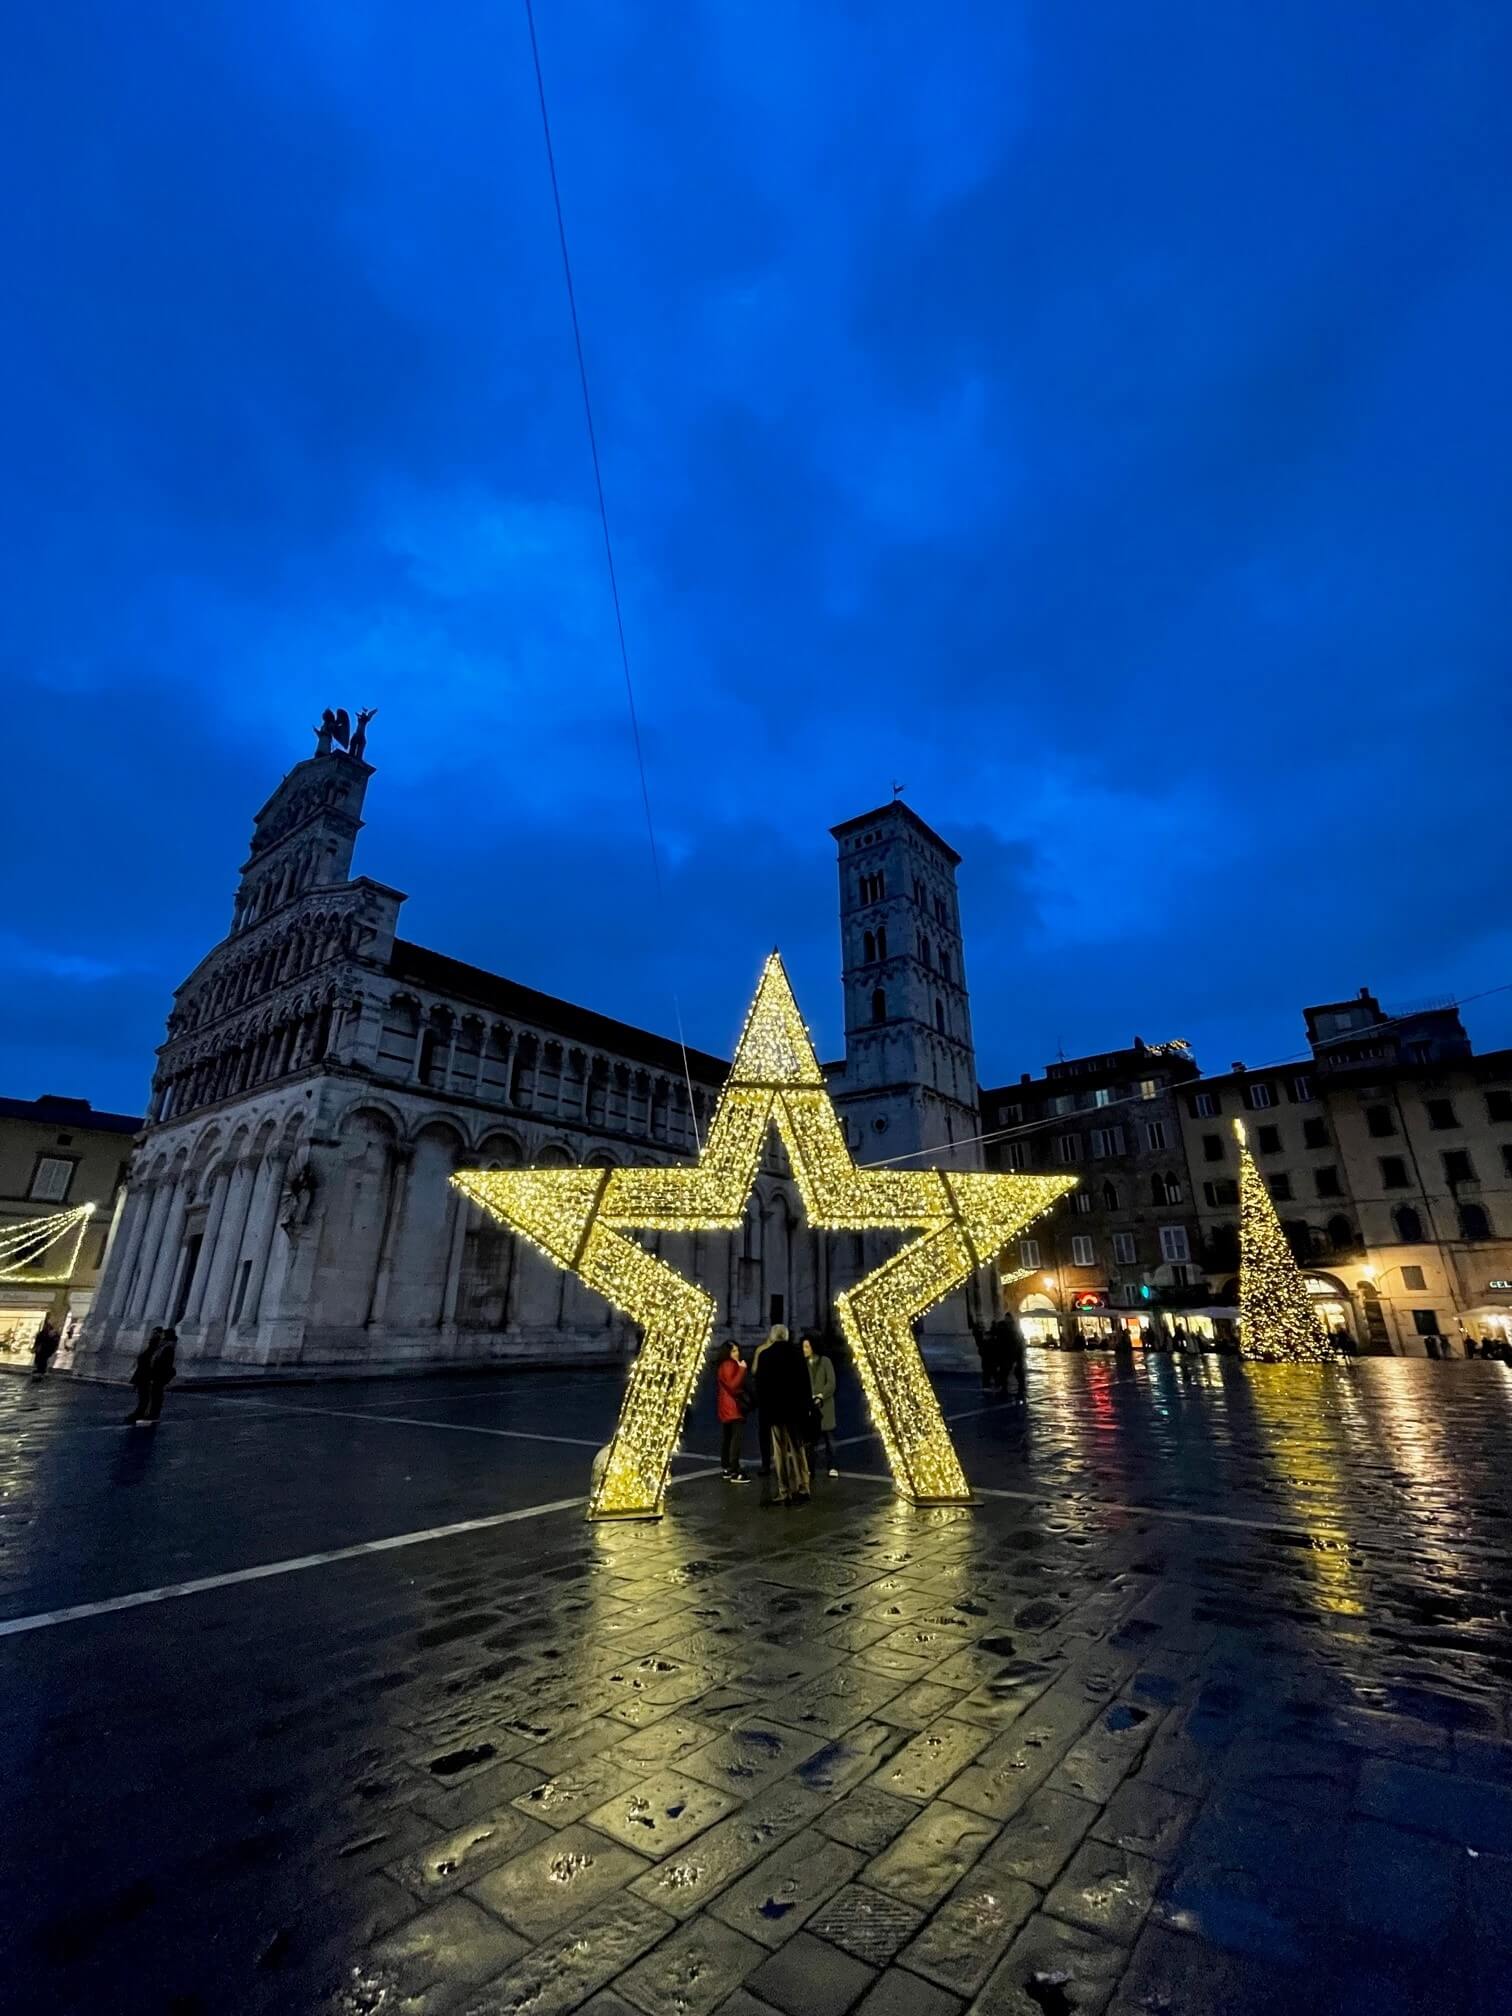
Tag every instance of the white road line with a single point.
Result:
(11, 1627)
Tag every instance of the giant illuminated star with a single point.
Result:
(578, 1218)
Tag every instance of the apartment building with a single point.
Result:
(1125, 1242)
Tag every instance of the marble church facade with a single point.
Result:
(288, 1205)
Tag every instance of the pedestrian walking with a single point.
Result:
(1006, 1346)
(45, 1347)
(155, 1369)
(785, 1400)
(731, 1402)
(821, 1371)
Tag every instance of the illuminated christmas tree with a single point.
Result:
(1276, 1317)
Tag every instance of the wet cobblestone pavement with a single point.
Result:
(1203, 1707)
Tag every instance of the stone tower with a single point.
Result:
(908, 1089)
(909, 1079)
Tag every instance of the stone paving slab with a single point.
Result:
(1214, 1714)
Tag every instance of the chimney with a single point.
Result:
(1237, 1065)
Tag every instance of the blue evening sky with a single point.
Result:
(1093, 417)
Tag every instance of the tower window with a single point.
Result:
(881, 941)
(879, 1005)
(924, 949)
(939, 1015)
(918, 892)
(945, 965)
(869, 946)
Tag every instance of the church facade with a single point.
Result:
(288, 1205)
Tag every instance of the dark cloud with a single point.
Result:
(1094, 419)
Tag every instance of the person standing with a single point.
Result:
(1007, 1357)
(154, 1371)
(141, 1377)
(763, 1425)
(730, 1404)
(45, 1347)
(785, 1401)
(821, 1372)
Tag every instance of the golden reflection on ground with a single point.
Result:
(1307, 1454)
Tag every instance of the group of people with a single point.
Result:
(1001, 1350)
(791, 1389)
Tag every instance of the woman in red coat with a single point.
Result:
(731, 1375)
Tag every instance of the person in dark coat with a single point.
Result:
(785, 1399)
(155, 1368)
(821, 1371)
(1006, 1355)
(45, 1347)
(730, 1405)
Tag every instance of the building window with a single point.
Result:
(1068, 1147)
(1224, 1191)
(1063, 1103)
(1412, 1278)
(1425, 1322)
(940, 916)
(1314, 1133)
(52, 1178)
(881, 941)
(1380, 1121)
(1010, 1116)
(879, 1005)
(1014, 1156)
(1155, 1134)
(1082, 1254)
(1107, 1141)
(939, 1015)
(1110, 1196)
(918, 892)
(1212, 1147)
(1393, 1172)
(924, 949)
(1301, 1089)
(1125, 1249)
(1166, 1189)
(1409, 1227)
(1204, 1106)
(1257, 1097)
(1081, 1202)
(1029, 1253)
(1173, 1243)
(1148, 1089)
(1280, 1188)
(1499, 1107)
(869, 947)
(1268, 1140)
(1441, 1113)
(1328, 1182)
(1458, 1168)
(1474, 1224)
(944, 965)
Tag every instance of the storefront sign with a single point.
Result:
(1089, 1299)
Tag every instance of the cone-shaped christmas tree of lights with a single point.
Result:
(1276, 1317)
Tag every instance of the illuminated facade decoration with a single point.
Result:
(1277, 1320)
(43, 1252)
(579, 1217)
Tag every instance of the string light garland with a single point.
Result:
(578, 1218)
(25, 1243)
(1277, 1321)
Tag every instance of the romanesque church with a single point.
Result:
(289, 1208)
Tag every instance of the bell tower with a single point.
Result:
(909, 1080)
(303, 838)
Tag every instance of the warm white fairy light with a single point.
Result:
(578, 1218)
(24, 1244)
(1277, 1320)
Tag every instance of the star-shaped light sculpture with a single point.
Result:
(579, 1218)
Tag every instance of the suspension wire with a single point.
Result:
(603, 510)
(1136, 1099)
